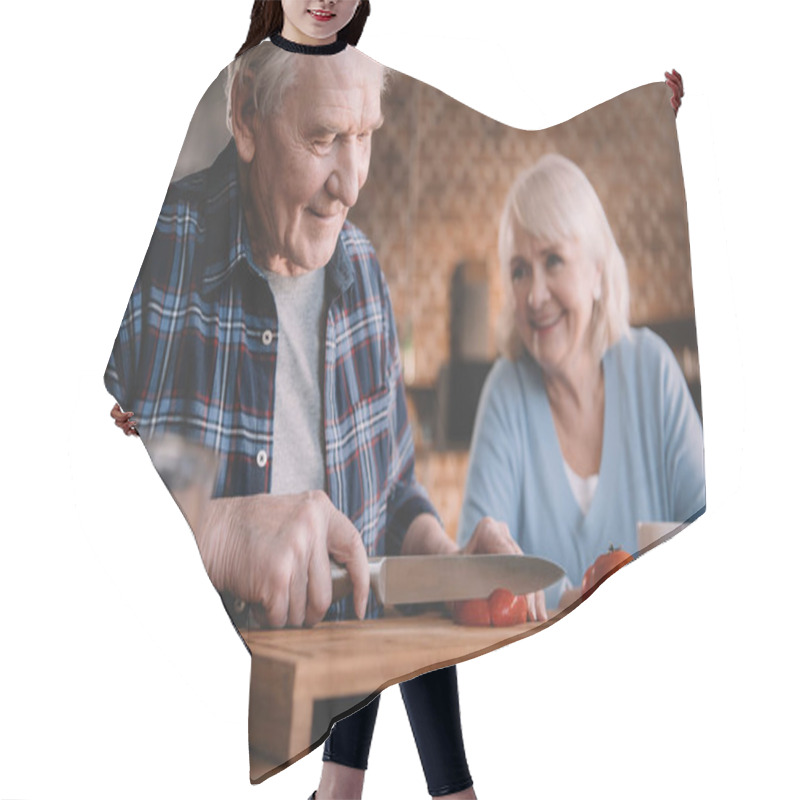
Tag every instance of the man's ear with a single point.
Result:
(243, 116)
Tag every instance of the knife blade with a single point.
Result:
(435, 579)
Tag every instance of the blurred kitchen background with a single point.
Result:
(431, 206)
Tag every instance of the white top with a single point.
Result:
(582, 488)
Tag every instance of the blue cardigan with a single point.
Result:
(651, 467)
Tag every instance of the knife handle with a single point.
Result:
(342, 586)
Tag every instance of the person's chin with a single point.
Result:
(320, 242)
(546, 354)
(317, 257)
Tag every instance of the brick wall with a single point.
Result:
(440, 173)
(438, 179)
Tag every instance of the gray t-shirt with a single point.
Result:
(299, 444)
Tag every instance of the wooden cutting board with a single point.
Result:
(294, 669)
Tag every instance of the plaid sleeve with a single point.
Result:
(161, 266)
(121, 367)
(407, 498)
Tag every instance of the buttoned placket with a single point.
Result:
(269, 339)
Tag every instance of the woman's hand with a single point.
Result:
(124, 420)
(675, 82)
(426, 536)
(491, 536)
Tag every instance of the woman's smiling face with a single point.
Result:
(554, 285)
(315, 22)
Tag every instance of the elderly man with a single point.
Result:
(324, 466)
(261, 327)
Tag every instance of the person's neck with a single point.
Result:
(292, 34)
(278, 265)
(266, 256)
(334, 46)
(579, 387)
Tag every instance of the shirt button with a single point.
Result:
(267, 338)
(261, 458)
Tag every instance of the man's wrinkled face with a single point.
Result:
(310, 159)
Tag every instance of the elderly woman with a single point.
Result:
(586, 426)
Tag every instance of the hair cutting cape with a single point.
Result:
(414, 298)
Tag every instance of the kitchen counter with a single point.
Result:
(336, 665)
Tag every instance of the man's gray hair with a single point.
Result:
(272, 70)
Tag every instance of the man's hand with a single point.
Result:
(675, 82)
(275, 552)
(491, 536)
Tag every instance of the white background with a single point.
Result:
(119, 674)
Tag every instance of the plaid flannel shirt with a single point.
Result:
(196, 354)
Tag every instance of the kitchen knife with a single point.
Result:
(434, 579)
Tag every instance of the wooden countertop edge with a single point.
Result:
(259, 763)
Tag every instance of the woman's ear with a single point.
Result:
(243, 116)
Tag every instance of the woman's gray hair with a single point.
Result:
(554, 201)
(273, 71)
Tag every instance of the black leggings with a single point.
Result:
(432, 707)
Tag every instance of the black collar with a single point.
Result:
(309, 49)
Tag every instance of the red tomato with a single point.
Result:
(501, 610)
(602, 566)
(507, 608)
(472, 612)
